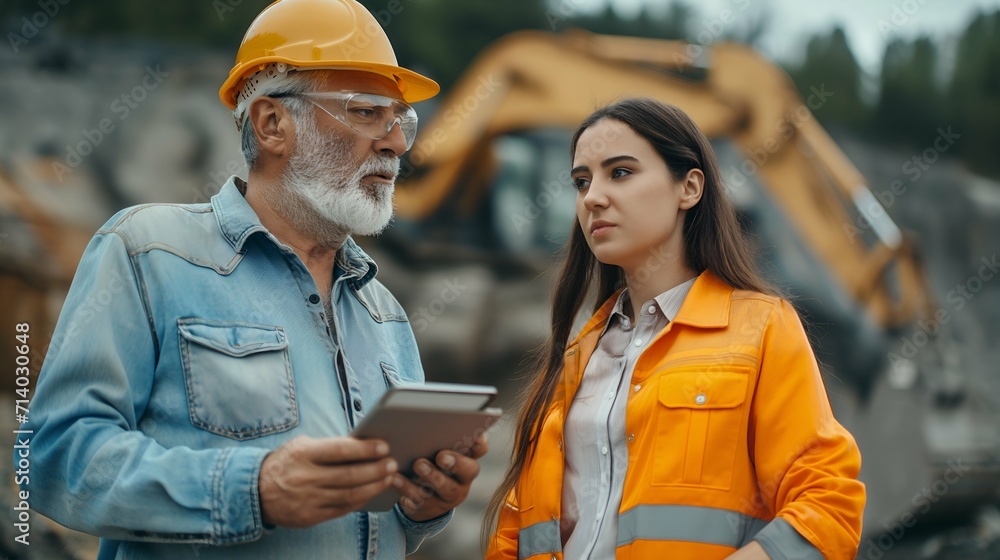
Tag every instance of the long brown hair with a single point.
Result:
(713, 240)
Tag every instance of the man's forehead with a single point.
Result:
(357, 81)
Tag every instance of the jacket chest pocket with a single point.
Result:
(238, 378)
(699, 427)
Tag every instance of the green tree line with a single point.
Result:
(916, 92)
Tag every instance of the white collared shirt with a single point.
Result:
(596, 446)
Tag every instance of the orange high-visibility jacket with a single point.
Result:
(730, 438)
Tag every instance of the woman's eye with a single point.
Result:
(619, 172)
(581, 183)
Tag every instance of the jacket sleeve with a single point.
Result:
(92, 468)
(807, 464)
(503, 543)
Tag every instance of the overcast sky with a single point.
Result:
(793, 21)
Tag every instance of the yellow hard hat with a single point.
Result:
(320, 34)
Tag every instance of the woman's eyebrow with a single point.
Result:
(615, 159)
(606, 163)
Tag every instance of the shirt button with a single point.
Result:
(631, 438)
(314, 299)
(638, 342)
(357, 405)
(652, 309)
(701, 398)
(611, 395)
(604, 451)
(637, 387)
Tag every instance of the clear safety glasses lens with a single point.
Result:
(368, 114)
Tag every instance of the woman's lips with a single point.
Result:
(602, 230)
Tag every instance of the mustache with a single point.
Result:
(380, 164)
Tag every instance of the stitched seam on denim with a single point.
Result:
(258, 517)
(114, 227)
(188, 379)
(138, 208)
(245, 349)
(224, 269)
(391, 376)
(222, 219)
(217, 498)
(379, 317)
(293, 403)
(143, 296)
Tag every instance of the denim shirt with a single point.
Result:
(192, 342)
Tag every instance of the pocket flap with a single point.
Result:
(702, 390)
(233, 339)
(392, 377)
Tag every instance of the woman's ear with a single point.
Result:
(273, 126)
(692, 186)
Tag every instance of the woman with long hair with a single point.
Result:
(688, 418)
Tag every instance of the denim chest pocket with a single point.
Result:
(700, 426)
(238, 378)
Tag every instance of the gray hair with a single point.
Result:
(297, 82)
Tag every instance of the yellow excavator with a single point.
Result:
(486, 188)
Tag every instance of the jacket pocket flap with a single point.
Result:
(701, 390)
(233, 339)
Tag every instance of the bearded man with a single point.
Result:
(211, 359)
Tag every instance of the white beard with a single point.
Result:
(322, 195)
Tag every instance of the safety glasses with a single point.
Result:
(368, 114)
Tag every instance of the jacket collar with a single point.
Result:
(238, 222)
(706, 306)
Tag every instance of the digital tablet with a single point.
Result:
(420, 420)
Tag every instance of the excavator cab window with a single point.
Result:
(533, 202)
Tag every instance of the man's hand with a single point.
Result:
(307, 481)
(440, 488)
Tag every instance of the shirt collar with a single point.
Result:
(671, 300)
(238, 222)
(668, 302)
(358, 267)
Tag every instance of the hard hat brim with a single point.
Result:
(413, 86)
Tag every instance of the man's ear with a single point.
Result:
(692, 187)
(273, 126)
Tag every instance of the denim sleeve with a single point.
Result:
(417, 531)
(92, 469)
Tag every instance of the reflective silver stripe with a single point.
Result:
(782, 542)
(540, 538)
(687, 523)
